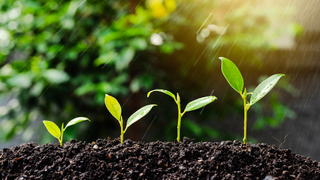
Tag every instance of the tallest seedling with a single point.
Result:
(234, 78)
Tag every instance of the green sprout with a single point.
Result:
(193, 105)
(234, 78)
(114, 108)
(56, 132)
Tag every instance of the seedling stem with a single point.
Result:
(61, 138)
(122, 132)
(246, 107)
(179, 117)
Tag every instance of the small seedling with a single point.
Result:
(56, 132)
(234, 78)
(114, 108)
(193, 105)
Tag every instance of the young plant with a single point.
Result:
(114, 108)
(234, 78)
(193, 105)
(56, 132)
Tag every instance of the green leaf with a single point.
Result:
(135, 85)
(232, 74)
(37, 88)
(199, 103)
(138, 43)
(163, 91)
(126, 56)
(110, 36)
(178, 98)
(105, 58)
(139, 114)
(104, 87)
(52, 128)
(56, 76)
(22, 80)
(264, 87)
(86, 88)
(113, 106)
(76, 121)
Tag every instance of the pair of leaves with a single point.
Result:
(191, 106)
(114, 108)
(234, 78)
(54, 130)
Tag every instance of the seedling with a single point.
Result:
(56, 132)
(234, 78)
(193, 105)
(114, 108)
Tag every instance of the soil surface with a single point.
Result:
(109, 159)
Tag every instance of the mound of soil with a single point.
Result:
(109, 159)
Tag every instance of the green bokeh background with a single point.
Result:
(59, 58)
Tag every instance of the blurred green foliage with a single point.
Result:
(59, 58)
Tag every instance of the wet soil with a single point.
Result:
(109, 159)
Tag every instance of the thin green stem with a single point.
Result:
(246, 107)
(61, 135)
(122, 132)
(179, 122)
(245, 121)
(179, 117)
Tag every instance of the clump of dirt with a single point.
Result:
(109, 159)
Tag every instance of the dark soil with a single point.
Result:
(109, 159)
